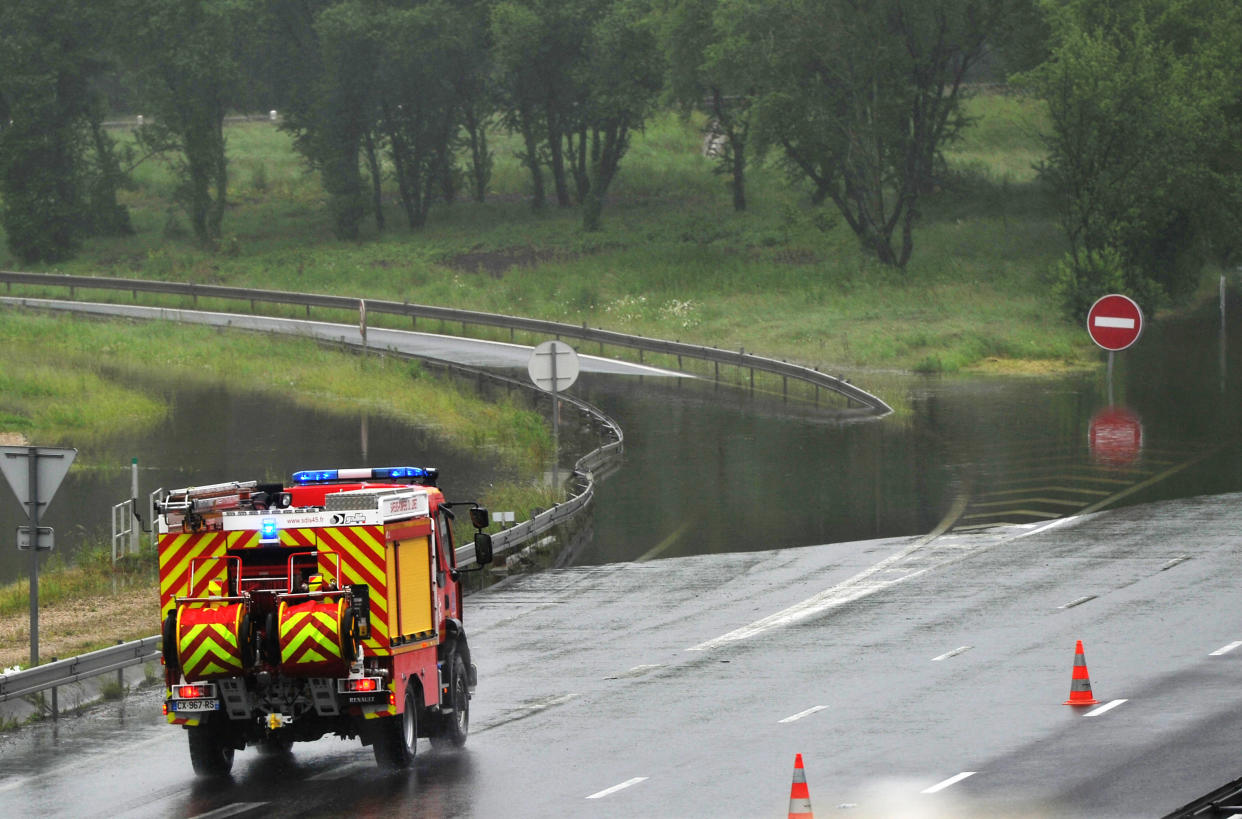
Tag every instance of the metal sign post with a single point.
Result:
(1114, 323)
(35, 488)
(553, 366)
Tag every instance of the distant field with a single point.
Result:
(673, 260)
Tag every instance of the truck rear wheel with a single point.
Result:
(210, 754)
(453, 727)
(397, 736)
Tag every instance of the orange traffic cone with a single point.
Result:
(799, 797)
(1080, 683)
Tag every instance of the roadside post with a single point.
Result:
(553, 366)
(35, 473)
(1114, 323)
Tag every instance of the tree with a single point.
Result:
(622, 76)
(58, 170)
(419, 103)
(862, 96)
(538, 53)
(1142, 154)
(711, 71)
(182, 53)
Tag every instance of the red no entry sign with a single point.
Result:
(1114, 322)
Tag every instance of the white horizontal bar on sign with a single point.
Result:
(1114, 321)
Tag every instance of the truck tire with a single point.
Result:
(453, 727)
(397, 737)
(210, 755)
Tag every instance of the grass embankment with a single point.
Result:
(66, 380)
(674, 260)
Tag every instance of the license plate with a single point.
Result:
(196, 705)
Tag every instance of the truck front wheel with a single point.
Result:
(397, 736)
(210, 754)
(453, 727)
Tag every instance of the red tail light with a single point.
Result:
(188, 692)
(363, 684)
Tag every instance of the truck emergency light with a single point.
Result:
(415, 473)
(269, 531)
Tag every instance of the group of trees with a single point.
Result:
(855, 98)
(1145, 146)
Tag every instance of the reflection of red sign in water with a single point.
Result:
(1115, 437)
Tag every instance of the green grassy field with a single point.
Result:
(673, 260)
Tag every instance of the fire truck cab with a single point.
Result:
(329, 605)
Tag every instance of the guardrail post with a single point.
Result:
(120, 672)
(55, 702)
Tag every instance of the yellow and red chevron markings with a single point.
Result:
(310, 637)
(363, 560)
(208, 643)
(176, 551)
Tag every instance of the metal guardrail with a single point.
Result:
(64, 672)
(716, 356)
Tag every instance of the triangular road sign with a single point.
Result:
(51, 464)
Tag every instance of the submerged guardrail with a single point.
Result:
(740, 359)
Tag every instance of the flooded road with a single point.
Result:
(711, 469)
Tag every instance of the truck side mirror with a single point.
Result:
(482, 547)
(479, 517)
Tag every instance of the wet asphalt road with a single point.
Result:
(920, 677)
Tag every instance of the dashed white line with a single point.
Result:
(1226, 649)
(636, 671)
(609, 791)
(813, 709)
(952, 653)
(1106, 707)
(952, 780)
(230, 810)
(1174, 562)
(1086, 599)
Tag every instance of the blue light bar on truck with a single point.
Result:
(389, 473)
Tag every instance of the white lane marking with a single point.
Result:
(636, 671)
(609, 791)
(1086, 599)
(952, 653)
(952, 780)
(859, 586)
(1119, 322)
(339, 772)
(230, 810)
(1174, 562)
(795, 717)
(1104, 708)
(1226, 649)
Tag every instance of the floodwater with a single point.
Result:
(712, 469)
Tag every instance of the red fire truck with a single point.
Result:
(331, 605)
